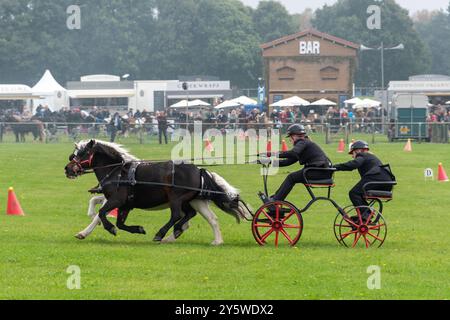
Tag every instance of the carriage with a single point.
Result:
(281, 222)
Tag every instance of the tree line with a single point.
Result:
(165, 39)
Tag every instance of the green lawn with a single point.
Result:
(37, 249)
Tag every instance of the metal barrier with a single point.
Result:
(149, 133)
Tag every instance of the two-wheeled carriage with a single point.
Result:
(281, 222)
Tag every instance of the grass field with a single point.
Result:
(37, 249)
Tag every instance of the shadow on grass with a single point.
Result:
(192, 244)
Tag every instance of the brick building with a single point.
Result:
(310, 64)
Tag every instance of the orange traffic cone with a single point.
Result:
(208, 146)
(341, 148)
(442, 175)
(114, 213)
(13, 208)
(408, 146)
(284, 146)
(269, 148)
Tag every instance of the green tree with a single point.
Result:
(348, 19)
(189, 37)
(434, 29)
(272, 21)
(303, 21)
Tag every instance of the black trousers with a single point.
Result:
(357, 193)
(298, 177)
(114, 131)
(162, 133)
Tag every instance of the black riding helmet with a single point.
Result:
(359, 145)
(296, 129)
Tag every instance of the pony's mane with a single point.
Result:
(232, 192)
(116, 148)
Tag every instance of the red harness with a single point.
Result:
(81, 164)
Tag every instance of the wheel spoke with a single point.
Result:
(291, 226)
(375, 237)
(277, 215)
(357, 237)
(268, 216)
(351, 222)
(345, 235)
(370, 217)
(287, 236)
(367, 241)
(277, 236)
(288, 216)
(340, 225)
(266, 235)
(263, 225)
(358, 210)
(377, 227)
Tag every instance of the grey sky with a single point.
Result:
(297, 6)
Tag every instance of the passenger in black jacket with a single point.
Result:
(370, 169)
(308, 154)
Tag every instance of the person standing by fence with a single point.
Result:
(162, 126)
(116, 125)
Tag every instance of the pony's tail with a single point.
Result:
(223, 195)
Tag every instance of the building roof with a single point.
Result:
(16, 92)
(314, 32)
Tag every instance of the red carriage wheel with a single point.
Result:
(355, 231)
(280, 222)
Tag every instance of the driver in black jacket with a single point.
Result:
(308, 154)
(370, 169)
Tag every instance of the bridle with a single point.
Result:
(86, 166)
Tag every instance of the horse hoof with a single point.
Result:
(80, 236)
(142, 231)
(217, 243)
(113, 231)
(178, 234)
(170, 239)
(158, 239)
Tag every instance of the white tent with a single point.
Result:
(323, 102)
(354, 101)
(190, 105)
(291, 102)
(227, 105)
(297, 101)
(367, 104)
(181, 104)
(199, 103)
(52, 93)
(282, 104)
(245, 101)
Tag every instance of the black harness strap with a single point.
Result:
(132, 172)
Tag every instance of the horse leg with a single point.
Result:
(202, 206)
(92, 213)
(122, 217)
(176, 215)
(87, 232)
(108, 207)
(183, 224)
(95, 201)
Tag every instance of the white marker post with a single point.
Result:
(429, 174)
